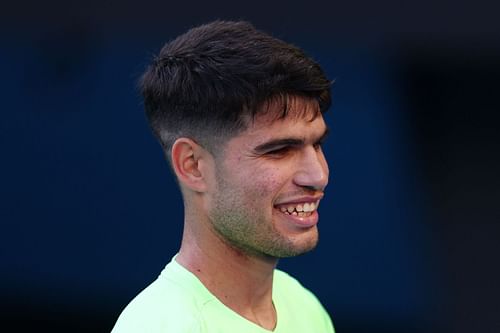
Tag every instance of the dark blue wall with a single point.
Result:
(90, 213)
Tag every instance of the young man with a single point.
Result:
(239, 116)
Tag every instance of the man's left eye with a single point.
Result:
(279, 151)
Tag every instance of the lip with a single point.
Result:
(299, 200)
(302, 222)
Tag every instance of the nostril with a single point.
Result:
(311, 187)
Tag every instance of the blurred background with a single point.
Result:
(410, 227)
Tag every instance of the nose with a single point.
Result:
(312, 170)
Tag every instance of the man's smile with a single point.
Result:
(301, 212)
(301, 209)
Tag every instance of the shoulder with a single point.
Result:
(299, 305)
(163, 306)
(288, 286)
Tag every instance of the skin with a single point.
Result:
(234, 231)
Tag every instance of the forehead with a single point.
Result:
(302, 120)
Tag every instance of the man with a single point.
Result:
(239, 116)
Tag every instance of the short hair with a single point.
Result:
(206, 83)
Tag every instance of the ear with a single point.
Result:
(189, 161)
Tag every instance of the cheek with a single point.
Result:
(263, 183)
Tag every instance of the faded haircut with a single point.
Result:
(207, 83)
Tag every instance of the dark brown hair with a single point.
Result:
(207, 82)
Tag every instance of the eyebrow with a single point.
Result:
(283, 142)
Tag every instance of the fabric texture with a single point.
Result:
(177, 302)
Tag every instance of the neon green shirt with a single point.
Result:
(177, 302)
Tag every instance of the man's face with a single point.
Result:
(268, 183)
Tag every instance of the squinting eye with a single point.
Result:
(280, 151)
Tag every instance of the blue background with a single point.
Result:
(90, 212)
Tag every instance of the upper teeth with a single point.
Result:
(305, 207)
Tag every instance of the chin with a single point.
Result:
(295, 248)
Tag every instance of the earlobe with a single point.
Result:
(187, 160)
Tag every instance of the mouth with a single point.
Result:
(303, 209)
(300, 213)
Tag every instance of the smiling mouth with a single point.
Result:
(302, 210)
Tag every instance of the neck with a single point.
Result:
(241, 281)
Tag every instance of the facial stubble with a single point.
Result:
(244, 225)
